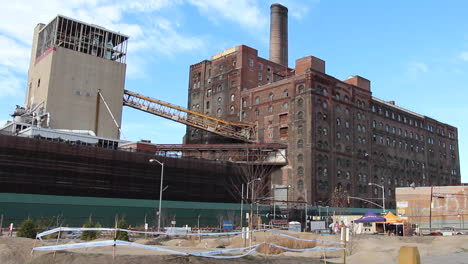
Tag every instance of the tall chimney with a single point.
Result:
(279, 34)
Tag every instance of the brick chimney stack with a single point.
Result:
(279, 34)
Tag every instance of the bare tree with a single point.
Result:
(339, 199)
(254, 176)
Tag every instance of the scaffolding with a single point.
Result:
(240, 131)
(82, 37)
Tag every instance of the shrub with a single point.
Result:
(27, 229)
(121, 235)
(89, 235)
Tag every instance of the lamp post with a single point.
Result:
(383, 194)
(242, 207)
(160, 190)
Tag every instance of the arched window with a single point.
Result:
(231, 109)
(324, 105)
(271, 96)
(233, 97)
(244, 114)
(270, 109)
(244, 102)
(300, 171)
(300, 115)
(338, 121)
(300, 143)
(300, 102)
(218, 112)
(325, 91)
(257, 112)
(300, 158)
(257, 100)
(285, 106)
(286, 93)
(300, 185)
(300, 88)
(208, 92)
(300, 129)
(346, 99)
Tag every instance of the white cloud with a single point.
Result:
(10, 84)
(243, 12)
(417, 67)
(14, 55)
(148, 37)
(464, 55)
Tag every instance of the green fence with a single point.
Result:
(74, 211)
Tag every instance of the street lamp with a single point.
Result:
(160, 190)
(383, 194)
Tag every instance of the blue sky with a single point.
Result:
(414, 52)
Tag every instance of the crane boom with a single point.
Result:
(240, 131)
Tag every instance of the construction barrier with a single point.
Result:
(208, 254)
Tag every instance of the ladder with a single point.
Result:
(240, 131)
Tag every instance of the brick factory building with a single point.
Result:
(339, 136)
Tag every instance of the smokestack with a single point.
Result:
(279, 34)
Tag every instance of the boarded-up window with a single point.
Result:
(283, 118)
(283, 132)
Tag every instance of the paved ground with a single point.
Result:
(457, 258)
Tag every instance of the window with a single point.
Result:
(300, 185)
(233, 84)
(218, 112)
(271, 96)
(285, 106)
(324, 105)
(346, 99)
(270, 109)
(300, 171)
(283, 132)
(374, 123)
(338, 121)
(300, 143)
(285, 93)
(300, 88)
(208, 92)
(231, 109)
(300, 115)
(244, 114)
(233, 97)
(324, 91)
(300, 158)
(244, 102)
(260, 76)
(300, 102)
(208, 105)
(219, 100)
(38, 82)
(300, 129)
(337, 96)
(257, 112)
(251, 62)
(257, 100)
(347, 124)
